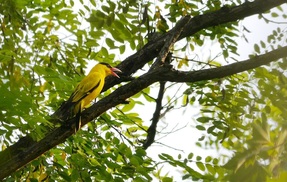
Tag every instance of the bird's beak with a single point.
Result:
(113, 72)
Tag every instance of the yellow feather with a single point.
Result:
(88, 89)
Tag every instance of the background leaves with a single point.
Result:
(48, 46)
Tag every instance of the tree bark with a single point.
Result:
(25, 150)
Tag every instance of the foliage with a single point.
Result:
(47, 46)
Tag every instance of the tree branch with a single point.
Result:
(229, 14)
(26, 149)
(220, 72)
(155, 119)
(164, 58)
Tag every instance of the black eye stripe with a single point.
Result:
(106, 64)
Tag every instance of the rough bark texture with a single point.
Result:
(25, 150)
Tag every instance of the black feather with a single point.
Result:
(78, 119)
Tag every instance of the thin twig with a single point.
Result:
(130, 119)
(70, 64)
(111, 126)
(192, 60)
(170, 147)
(272, 21)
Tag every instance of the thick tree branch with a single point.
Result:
(26, 149)
(229, 14)
(164, 55)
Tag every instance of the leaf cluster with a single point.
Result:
(47, 46)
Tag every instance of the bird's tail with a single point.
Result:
(78, 118)
(64, 112)
(67, 110)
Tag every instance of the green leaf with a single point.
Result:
(274, 15)
(208, 159)
(191, 46)
(185, 100)
(203, 119)
(110, 19)
(263, 45)
(167, 179)
(111, 164)
(200, 165)
(129, 106)
(225, 53)
(135, 160)
(117, 35)
(122, 49)
(106, 8)
(200, 127)
(110, 43)
(94, 162)
(75, 175)
(141, 152)
(210, 169)
(256, 48)
(190, 155)
(91, 43)
(215, 161)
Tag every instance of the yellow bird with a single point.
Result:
(86, 91)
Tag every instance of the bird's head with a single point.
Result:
(110, 70)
